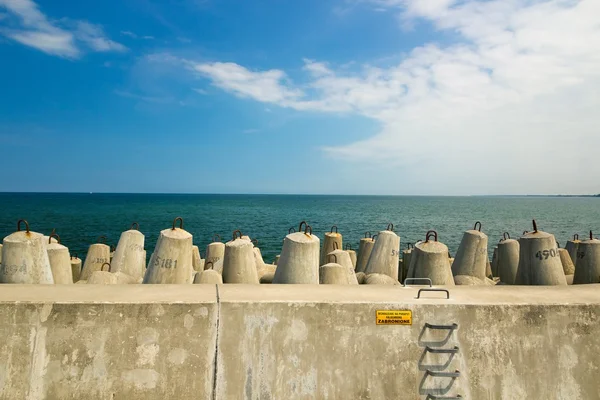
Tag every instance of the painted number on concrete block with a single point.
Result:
(543, 255)
(393, 317)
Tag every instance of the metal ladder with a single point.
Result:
(439, 371)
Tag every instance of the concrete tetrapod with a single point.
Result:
(588, 262)
(102, 277)
(365, 248)
(572, 246)
(266, 269)
(335, 274)
(508, 259)
(472, 255)
(98, 254)
(171, 261)
(361, 277)
(215, 251)
(539, 260)
(258, 260)
(129, 256)
(24, 258)
(332, 241)
(197, 263)
(430, 260)
(406, 254)
(494, 264)
(60, 261)
(351, 253)
(299, 258)
(75, 267)
(567, 263)
(342, 258)
(208, 276)
(238, 263)
(385, 255)
(380, 279)
(0, 254)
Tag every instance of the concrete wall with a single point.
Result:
(295, 342)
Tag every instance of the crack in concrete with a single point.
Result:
(216, 359)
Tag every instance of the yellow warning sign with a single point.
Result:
(393, 317)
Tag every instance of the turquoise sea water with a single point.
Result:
(80, 218)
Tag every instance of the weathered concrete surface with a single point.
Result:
(365, 248)
(107, 342)
(129, 257)
(472, 255)
(293, 342)
(515, 343)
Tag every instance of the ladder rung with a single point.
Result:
(448, 327)
(434, 397)
(442, 351)
(454, 374)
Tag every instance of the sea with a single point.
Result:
(81, 218)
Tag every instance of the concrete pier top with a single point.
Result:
(195, 294)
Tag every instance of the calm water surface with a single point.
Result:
(80, 218)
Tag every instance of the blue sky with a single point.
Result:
(342, 97)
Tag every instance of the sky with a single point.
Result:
(383, 97)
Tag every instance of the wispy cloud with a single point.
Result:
(135, 36)
(27, 25)
(146, 99)
(489, 107)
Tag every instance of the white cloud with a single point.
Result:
(267, 86)
(64, 38)
(94, 37)
(130, 34)
(135, 36)
(509, 108)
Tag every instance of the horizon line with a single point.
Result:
(306, 194)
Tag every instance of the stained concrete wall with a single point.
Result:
(288, 342)
(119, 342)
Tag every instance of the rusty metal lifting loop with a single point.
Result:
(215, 237)
(410, 246)
(525, 232)
(291, 230)
(506, 235)
(534, 226)
(308, 230)
(207, 263)
(112, 248)
(336, 246)
(255, 242)
(429, 234)
(332, 255)
(374, 237)
(74, 255)
(53, 235)
(101, 239)
(347, 246)
(135, 226)
(475, 227)
(332, 228)
(234, 235)
(591, 236)
(390, 227)
(180, 222)
(368, 235)
(26, 225)
(576, 236)
(102, 267)
(300, 226)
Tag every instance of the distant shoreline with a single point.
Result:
(302, 194)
